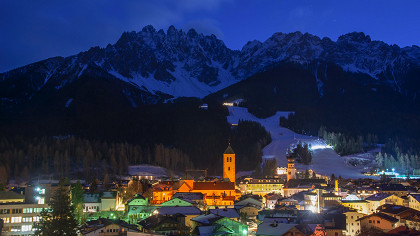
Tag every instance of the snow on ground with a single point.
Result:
(324, 160)
(147, 170)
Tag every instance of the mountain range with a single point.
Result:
(152, 66)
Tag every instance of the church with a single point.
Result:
(216, 193)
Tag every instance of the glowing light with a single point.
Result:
(244, 232)
(320, 146)
(37, 189)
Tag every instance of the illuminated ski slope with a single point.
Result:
(324, 161)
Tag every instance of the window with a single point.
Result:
(227, 159)
(37, 210)
(6, 220)
(27, 219)
(352, 217)
(378, 221)
(370, 221)
(16, 219)
(27, 210)
(228, 168)
(26, 227)
(36, 218)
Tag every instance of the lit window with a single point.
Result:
(16, 219)
(26, 227)
(41, 200)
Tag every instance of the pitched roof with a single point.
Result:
(416, 196)
(226, 212)
(189, 196)
(156, 220)
(93, 225)
(92, 197)
(380, 215)
(229, 150)
(378, 197)
(274, 228)
(393, 209)
(403, 230)
(214, 186)
(185, 210)
(207, 219)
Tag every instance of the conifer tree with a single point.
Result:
(77, 200)
(59, 219)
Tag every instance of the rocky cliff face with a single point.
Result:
(156, 66)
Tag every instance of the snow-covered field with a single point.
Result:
(324, 160)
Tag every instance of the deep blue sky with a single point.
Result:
(34, 30)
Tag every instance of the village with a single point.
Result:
(195, 204)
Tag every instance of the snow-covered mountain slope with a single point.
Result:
(324, 161)
(164, 65)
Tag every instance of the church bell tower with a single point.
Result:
(229, 164)
(291, 171)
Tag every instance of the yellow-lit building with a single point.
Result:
(361, 206)
(414, 201)
(262, 186)
(352, 223)
(380, 199)
(216, 193)
(229, 164)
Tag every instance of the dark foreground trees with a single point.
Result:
(59, 219)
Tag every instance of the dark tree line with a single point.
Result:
(22, 158)
(248, 140)
(344, 144)
(301, 153)
(404, 157)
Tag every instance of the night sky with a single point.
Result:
(35, 30)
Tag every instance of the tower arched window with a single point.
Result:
(227, 159)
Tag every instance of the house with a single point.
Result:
(162, 192)
(249, 207)
(107, 227)
(204, 220)
(397, 211)
(379, 220)
(109, 201)
(274, 229)
(335, 224)
(188, 212)
(92, 202)
(271, 200)
(403, 230)
(414, 201)
(352, 225)
(177, 202)
(289, 214)
(138, 208)
(379, 199)
(18, 216)
(262, 186)
(223, 226)
(164, 224)
(217, 193)
(394, 189)
(230, 213)
(361, 206)
(197, 198)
